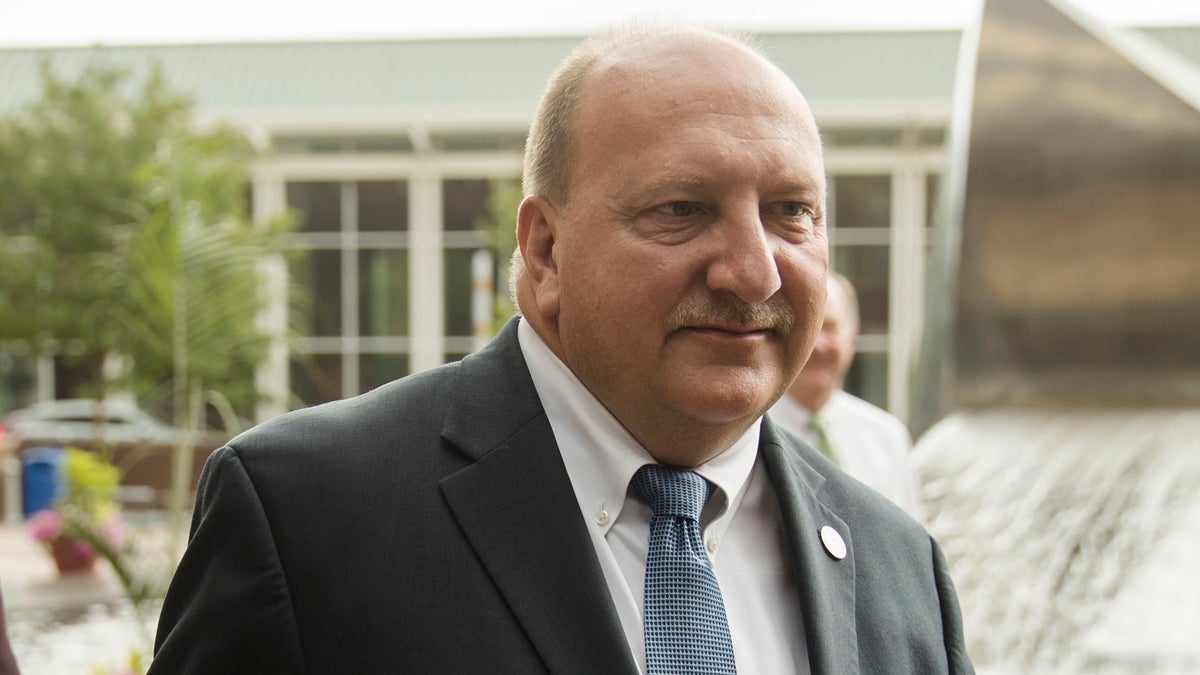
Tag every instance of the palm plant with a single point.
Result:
(190, 277)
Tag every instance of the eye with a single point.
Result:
(792, 219)
(790, 209)
(679, 209)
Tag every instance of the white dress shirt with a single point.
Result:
(741, 524)
(872, 445)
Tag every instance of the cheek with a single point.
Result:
(804, 289)
(644, 284)
(807, 302)
(804, 267)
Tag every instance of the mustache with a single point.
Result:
(731, 312)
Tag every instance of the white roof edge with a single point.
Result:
(402, 119)
(379, 120)
(866, 113)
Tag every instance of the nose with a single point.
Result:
(744, 263)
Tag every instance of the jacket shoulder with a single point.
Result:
(418, 401)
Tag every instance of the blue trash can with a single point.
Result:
(41, 478)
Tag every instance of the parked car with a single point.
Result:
(86, 422)
(141, 445)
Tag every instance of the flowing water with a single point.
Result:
(98, 638)
(1073, 537)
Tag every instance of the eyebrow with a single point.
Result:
(688, 180)
(675, 179)
(805, 186)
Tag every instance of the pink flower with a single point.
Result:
(115, 532)
(45, 525)
(83, 549)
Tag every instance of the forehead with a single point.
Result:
(693, 69)
(675, 91)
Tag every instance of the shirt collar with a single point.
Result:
(601, 456)
(790, 414)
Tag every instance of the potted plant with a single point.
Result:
(84, 522)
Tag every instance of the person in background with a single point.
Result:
(596, 491)
(867, 442)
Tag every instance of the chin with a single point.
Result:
(719, 410)
(724, 395)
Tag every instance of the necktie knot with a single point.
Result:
(672, 492)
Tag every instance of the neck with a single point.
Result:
(691, 447)
(813, 399)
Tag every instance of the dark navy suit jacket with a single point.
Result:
(429, 526)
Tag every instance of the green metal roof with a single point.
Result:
(427, 78)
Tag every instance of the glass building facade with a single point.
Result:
(387, 235)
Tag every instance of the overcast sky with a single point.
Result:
(75, 22)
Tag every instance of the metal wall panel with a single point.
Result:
(1078, 276)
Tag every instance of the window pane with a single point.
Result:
(464, 203)
(379, 369)
(933, 196)
(480, 142)
(867, 268)
(316, 378)
(862, 201)
(320, 204)
(860, 136)
(457, 278)
(867, 378)
(381, 144)
(383, 292)
(383, 206)
(931, 136)
(18, 380)
(320, 272)
(339, 144)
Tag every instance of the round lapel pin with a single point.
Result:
(834, 544)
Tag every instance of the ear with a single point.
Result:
(537, 231)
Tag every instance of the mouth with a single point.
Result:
(731, 329)
(725, 332)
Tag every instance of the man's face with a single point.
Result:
(833, 352)
(691, 257)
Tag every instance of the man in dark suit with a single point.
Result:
(487, 516)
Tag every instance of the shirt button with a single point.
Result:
(712, 544)
(602, 517)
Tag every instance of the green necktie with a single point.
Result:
(820, 427)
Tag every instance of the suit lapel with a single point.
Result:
(516, 506)
(827, 585)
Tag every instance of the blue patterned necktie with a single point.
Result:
(683, 614)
